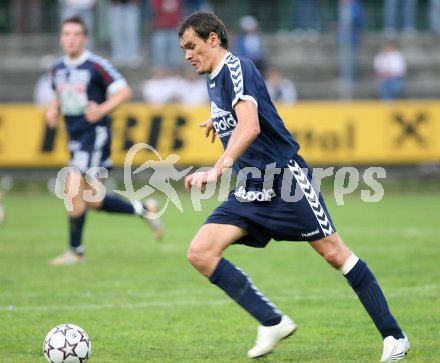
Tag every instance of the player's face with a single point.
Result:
(204, 55)
(73, 40)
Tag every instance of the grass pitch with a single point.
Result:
(140, 301)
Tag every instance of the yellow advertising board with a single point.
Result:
(370, 133)
(366, 132)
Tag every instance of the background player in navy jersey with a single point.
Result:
(88, 88)
(254, 136)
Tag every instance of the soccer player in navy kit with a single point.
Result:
(254, 137)
(88, 89)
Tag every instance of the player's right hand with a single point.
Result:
(209, 129)
(52, 117)
(200, 179)
(94, 112)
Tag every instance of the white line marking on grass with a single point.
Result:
(107, 294)
(340, 294)
(115, 306)
(409, 232)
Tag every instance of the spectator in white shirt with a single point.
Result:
(162, 88)
(44, 94)
(390, 70)
(193, 91)
(280, 89)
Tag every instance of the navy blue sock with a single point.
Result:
(239, 287)
(76, 225)
(115, 204)
(363, 282)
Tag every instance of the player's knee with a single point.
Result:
(94, 205)
(200, 258)
(79, 206)
(194, 256)
(191, 257)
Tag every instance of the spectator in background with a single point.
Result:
(44, 95)
(399, 15)
(165, 48)
(307, 15)
(26, 15)
(280, 89)
(192, 90)
(390, 70)
(163, 87)
(124, 33)
(349, 31)
(191, 6)
(85, 9)
(434, 16)
(249, 43)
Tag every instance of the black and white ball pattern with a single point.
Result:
(67, 343)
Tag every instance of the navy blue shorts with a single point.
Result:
(295, 212)
(90, 148)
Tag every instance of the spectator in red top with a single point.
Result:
(165, 50)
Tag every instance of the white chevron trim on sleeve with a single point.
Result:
(234, 65)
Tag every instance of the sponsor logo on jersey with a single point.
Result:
(77, 76)
(223, 121)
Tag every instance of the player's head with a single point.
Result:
(204, 37)
(73, 38)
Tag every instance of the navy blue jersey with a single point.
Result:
(76, 82)
(238, 79)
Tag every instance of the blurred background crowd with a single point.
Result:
(306, 49)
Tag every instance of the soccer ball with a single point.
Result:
(67, 343)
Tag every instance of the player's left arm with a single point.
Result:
(95, 112)
(246, 131)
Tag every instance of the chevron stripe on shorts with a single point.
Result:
(312, 198)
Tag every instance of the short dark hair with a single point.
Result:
(76, 20)
(204, 23)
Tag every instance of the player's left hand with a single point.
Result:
(209, 129)
(200, 179)
(93, 112)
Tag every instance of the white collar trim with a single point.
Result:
(217, 70)
(76, 62)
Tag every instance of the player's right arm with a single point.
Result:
(95, 112)
(53, 114)
(246, 131)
